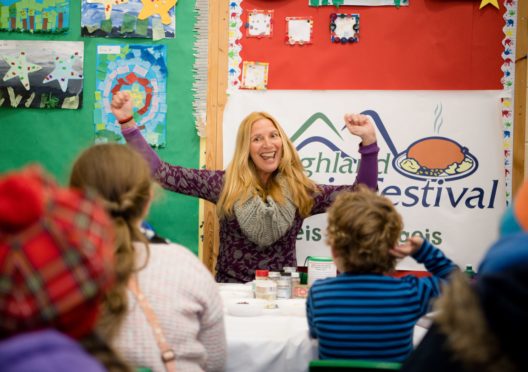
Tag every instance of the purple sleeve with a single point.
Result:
(368, 169)
(367, 174)
(134, 139)
(202, 183)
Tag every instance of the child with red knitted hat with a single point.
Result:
(55, 266)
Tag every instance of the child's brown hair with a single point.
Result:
(362, 227)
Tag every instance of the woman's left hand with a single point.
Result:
(361, 126)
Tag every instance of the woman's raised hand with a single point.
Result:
(122, 106)
(361, 126)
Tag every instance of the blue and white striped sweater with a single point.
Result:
(372, 316)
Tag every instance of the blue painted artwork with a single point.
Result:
(141, 70)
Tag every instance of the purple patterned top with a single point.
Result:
(239, 257)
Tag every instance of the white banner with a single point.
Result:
(441, 160)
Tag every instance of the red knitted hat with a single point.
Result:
(56, 256)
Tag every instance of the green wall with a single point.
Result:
(53, 138)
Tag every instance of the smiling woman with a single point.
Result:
(264, 194)
(266, 148)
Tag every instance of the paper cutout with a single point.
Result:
(486, 2)
(299, 30)
(41, 74)
(254, 75)
(157, 7)
(65, 70)
(21, 68)
(260, 23)
(157, 29)
(142, 71)
(129, 18)
(129, 23)
(234, 60)
(396, 3)
(344, 28)
(107, 5)
(48, 16)
(507, 110)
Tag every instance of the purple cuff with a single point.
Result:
(368, 168)
(135, 139)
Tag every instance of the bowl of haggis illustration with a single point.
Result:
(436, 158)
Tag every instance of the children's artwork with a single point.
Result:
(344, 28)
(34, 15)
(299, 30)
(254, 75)
(142, 71)
(260, 23)
(152, 19)
(396, 3)
(41, 74)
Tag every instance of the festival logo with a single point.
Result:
(429, 158)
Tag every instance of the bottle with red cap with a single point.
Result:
(265, 289)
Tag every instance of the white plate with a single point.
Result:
(292, 307)
(245, 307)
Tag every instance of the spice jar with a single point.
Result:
(266, 290)
(261, 274)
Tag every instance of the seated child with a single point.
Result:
(165, 311)
(55, 267)
(479, 323)
(364, 313)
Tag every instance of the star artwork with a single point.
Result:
(108, 5)
(20, 67)
(483, 3)
(64, 71)
(159, 7)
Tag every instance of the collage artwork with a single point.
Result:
(142, 71)
(49, 74)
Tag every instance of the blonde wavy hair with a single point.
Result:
(242, 181)
(362, 227)
(121, 177)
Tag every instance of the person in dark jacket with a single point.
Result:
(480, 325)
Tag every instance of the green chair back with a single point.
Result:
(341, 365)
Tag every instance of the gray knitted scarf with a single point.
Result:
(265, 222)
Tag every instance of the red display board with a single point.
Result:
(428, 45)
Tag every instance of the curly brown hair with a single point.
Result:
(362, 227)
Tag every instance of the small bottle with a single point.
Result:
(266, 290)
(469, 271)
(261, 274)
(296, 286)
(287, 281)
(283, 289)
(295, 278)
(274, 275)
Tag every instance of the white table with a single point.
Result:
(270, 342)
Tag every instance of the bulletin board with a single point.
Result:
(429, 44)
(54, 137)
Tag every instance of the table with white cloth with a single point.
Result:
(273, 340)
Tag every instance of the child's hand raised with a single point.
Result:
(408, 248)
